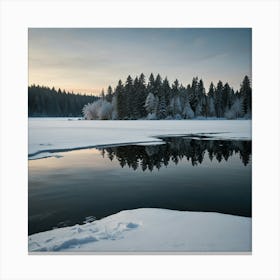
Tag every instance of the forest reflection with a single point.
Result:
(175, 150)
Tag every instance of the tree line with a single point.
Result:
(49, 102)
(157, 99)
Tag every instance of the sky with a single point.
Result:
(87, 60)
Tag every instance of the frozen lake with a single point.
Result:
(183, 174)
(51, 134)
(75, 177)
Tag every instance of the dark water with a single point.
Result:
(183, 174)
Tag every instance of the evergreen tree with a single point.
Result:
(157, 86)
(193, 97)
(161, 108)
(142, 95)
(121, 102)
(226, 98)
(175, 103)
(246, 94)
(211, 91)
(201, 97)
(109, 95)
(151, 104)
(218, 99)
(128, 93)
(151, 84)
(134, 101)
(166, 91)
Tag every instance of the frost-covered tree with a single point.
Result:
(98, 110)
(91, 110)
(114, 108)
(105, 111)
(150, 103)
(177, 108)
(211, 107)
(187, 111)
(198, 110)
(235, 111)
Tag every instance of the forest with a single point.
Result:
(152, 100)
(47, 102)
(157, 99)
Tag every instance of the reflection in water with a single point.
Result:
(175, 149)
(201, 175)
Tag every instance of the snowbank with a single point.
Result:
(151, 230)
(48, 134)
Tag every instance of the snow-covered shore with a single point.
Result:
(150, 230)
(47, 134)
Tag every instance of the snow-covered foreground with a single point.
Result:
(47, 134)
(151, 230)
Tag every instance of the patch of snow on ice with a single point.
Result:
(151, 230)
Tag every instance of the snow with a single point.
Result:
(51, 134)
(150, 230)
(139, 230)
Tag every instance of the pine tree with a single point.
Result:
(121, 104)
(134, 101)
(151, 84)
(157, 86)
(109, 95)
(218, 99)
(246, 94)
(175, 104)
(201, 100)
(166, 90)
(142, 95)
(193, 97)
(226, 98)
(161, 108)
(151, 104)
(211, 107)
(128, 93)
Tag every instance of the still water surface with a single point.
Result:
(182, 174)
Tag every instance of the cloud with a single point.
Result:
(95, 58)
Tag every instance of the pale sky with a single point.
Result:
(89, 59)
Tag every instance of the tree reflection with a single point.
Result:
(176, 149)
